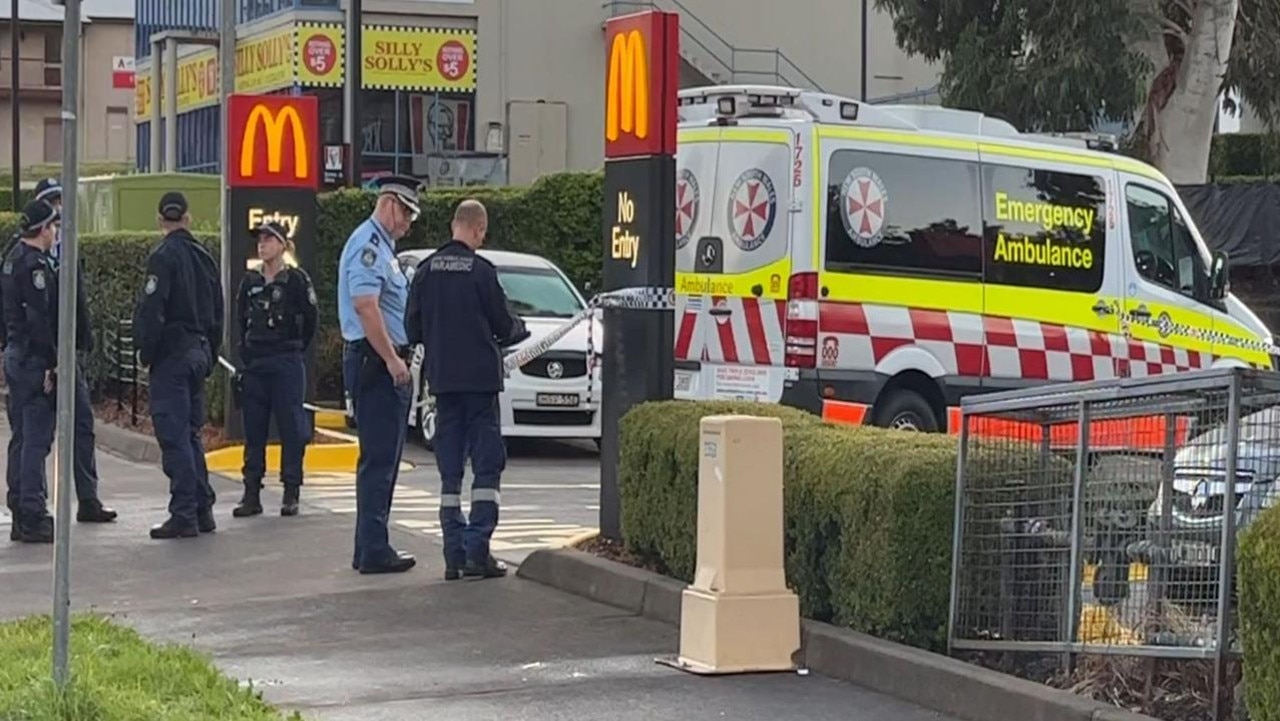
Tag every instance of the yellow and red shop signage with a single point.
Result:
(321, 54)
(265, 63)
(398, 58)
(641, 80)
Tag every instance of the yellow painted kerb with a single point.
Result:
(320, 458)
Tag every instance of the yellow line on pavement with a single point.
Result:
(320, 458)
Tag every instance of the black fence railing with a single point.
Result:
(121, 378)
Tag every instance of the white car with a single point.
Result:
(548, 397)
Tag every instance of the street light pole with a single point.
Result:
(352, 134)
(67, 372)
(15, 40)
(865, 35)
(227, 86)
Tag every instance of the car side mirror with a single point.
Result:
(1219, 276)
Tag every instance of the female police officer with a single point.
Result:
(277, 322)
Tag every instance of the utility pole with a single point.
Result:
(227, 86)
(351, 98)
(865, 35)
(14, 41)
(67, 370)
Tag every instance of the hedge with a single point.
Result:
(868, 548)
(1245, 154)
(1259, 589)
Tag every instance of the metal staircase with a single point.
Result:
(715, 58)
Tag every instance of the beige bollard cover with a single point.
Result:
(738, 615)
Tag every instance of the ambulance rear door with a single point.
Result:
(733, 228)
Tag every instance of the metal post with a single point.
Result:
(958, 526)
(351, 99)
(67, 372)
(1227, 556)
(171, 106)
(865, 35)
(14, 57)
(1074, 575)
(157, 77)
(227, 86)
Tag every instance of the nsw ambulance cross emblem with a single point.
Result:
(863, 209)
(687, 202)
(753, 206)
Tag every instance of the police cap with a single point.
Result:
(404, 188)
(36, 216)
(271, 228)
(48, 189)
(173, 206)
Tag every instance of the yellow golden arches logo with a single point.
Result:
(627, 92)
(274, 126)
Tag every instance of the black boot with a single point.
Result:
(491, 568)
(92, 511)
(251, 502)
(173, 528)
(289, 506)
(205, 522)
(40, 531)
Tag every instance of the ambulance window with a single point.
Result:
(903, 213)
(1044, 229)
(1164, 250)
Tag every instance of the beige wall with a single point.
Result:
(553, 50)
(105, 129)
(106, 125)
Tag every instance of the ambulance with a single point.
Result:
(876, 263)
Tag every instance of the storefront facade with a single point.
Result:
(417, 97)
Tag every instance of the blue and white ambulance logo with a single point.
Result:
(688, 200)
(753, 206)
(863, 208)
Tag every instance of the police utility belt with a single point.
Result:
(365, 348)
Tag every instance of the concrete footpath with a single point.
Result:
(275, 601)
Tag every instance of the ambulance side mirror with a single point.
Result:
(1218, 276)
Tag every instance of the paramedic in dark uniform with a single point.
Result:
(30, 290)
(177, 327)
(459, 312)
(372, 294)
(277, 322)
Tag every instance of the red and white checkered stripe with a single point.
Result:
(751, 333)
(983, 346)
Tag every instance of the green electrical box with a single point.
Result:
(110, 203)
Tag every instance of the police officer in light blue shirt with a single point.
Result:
(373, 293)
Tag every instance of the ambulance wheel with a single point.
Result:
(905, 410)
(427, 427)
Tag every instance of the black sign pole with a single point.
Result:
(639, 252)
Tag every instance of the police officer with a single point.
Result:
(277, 322)
(177, 326)
(29, 280)
(459, 312)
(372, 294)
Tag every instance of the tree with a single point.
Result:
(1063, 66)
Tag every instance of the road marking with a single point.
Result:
(522, 527)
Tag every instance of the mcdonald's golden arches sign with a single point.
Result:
(641, 80)
(274, 141)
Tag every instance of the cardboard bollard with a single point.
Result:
(738, 616)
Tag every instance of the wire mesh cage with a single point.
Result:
(1098, 517)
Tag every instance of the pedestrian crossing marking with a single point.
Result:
(522, 527)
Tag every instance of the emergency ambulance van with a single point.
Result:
(873, 263)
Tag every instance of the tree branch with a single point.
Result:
(1185, 6)
(1174, 30)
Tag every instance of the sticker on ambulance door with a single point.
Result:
(688, 200)
(753, 208)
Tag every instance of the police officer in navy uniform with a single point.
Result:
(277, 322)
(29, 280)
(459, 312)
(50, 191)
(372, 295)
(177, 327)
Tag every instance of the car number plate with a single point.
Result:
(1195, 554)
(559, 400)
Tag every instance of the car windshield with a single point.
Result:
(538, 293)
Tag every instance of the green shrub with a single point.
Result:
(1259, 588)
(868, 513)
(1247, 154)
